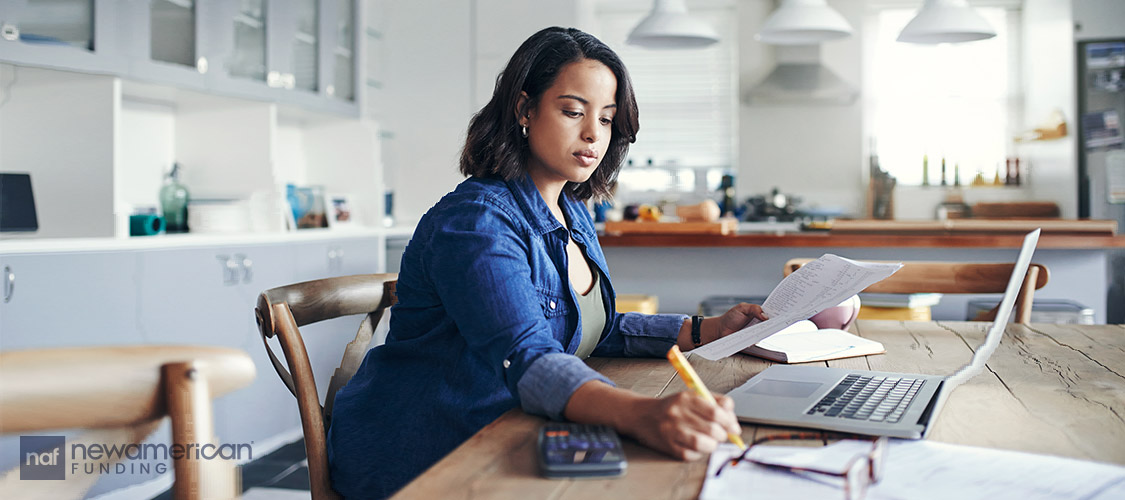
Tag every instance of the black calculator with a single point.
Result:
(578, 450)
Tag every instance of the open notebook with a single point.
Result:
(802, 342)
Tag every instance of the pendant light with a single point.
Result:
(803, 22)
(946, 21)
(669, 26)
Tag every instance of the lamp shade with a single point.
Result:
(669, 26)
(802, 22)
(946, 21)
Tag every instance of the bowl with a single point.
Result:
(840, 316)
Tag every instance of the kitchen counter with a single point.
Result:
(683, 270)
(853, 240)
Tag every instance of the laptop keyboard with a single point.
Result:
(877, 399)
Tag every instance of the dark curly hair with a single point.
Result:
(494, 145)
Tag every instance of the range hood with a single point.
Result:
(799, 79)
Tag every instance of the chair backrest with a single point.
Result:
(282, 311)
(957, 277)
(123, 393)
(1017, 210)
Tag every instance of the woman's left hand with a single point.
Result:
(738, 317)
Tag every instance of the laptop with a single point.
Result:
(867, 402)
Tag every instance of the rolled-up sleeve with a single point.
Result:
(641, 335)
(546, 387)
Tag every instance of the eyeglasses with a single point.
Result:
(859, 473)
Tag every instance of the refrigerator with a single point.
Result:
(1101, 151)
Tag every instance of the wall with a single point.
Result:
(811, 151)
(428, 65)
(1048, 52)
(59, 126)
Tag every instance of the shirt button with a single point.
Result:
(507, 363)
(553, 304)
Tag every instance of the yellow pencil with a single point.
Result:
(680, 363)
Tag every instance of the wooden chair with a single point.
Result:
(121, 393)
(1017, 210)
(957, 277)
(281, 311)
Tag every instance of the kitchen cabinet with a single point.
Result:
(167, 41)
(57, 300)
(78, 35)
(338, 258)
(207, 295)
(297, 52)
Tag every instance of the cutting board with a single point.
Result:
(722, 226)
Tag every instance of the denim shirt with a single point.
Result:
(486, 321)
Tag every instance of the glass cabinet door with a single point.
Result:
(248, 50)
(172, 31)
(343, 73)
(50, 22)
(306, 45)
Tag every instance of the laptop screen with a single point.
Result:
(996, 331)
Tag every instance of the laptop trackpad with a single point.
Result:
(784, 388)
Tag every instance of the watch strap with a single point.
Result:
(696, 323)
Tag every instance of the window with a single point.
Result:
(951, 101)
(687, 98)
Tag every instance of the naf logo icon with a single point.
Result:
(42, 457)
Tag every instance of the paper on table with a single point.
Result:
(816, 286)
(916, 470)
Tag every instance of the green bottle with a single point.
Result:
(925, 170)
(173, 201)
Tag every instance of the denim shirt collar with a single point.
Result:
(540, 217)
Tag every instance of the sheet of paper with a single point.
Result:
(816, 286)
(916, 470)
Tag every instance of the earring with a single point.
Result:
(523, 131)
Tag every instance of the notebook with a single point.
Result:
(868, 402)
(803, 342)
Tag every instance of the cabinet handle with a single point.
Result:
(247, 267)
(230, 269)
(273, 79)
(9, 283)
(10, 32)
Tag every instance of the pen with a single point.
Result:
(680, 363)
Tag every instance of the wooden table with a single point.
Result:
(1054, 389)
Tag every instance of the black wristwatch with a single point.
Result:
(696, 322)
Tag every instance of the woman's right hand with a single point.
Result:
(682, 425)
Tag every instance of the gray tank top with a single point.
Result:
(591, 309)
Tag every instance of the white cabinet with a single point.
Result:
(207, 295)
(56, 300)
(295, 51)
(78, 35)
(338, 258)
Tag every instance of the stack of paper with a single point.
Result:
(914, 469)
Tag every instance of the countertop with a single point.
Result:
(830, 239)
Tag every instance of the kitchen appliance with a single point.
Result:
(17, 204)
(1101, 159)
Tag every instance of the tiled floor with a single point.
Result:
(281, 475)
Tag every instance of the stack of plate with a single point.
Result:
(218, 216)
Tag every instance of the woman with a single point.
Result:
(504, 288)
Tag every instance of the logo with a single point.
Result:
(42, 458)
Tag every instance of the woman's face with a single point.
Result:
(569, 131)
